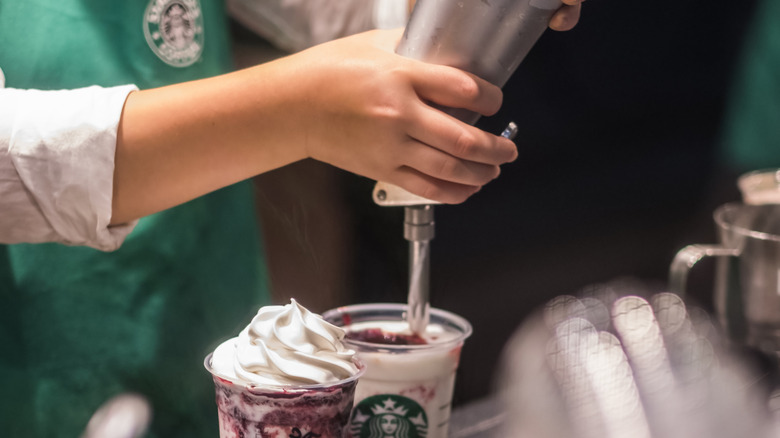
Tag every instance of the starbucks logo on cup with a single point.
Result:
(388, 416)
(174, 31)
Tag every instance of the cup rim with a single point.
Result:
(259, 388)
(721, 211)
(456, 321)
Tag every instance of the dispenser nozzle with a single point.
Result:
(419, 230)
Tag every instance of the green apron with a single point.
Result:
(752, 127)
(78, 326)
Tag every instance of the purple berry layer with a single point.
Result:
(253, 413)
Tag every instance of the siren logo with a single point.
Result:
(388, 416)
(174, 31)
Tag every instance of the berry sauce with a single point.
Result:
(379, 336)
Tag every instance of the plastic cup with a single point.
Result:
(407, 388)
(294, 411)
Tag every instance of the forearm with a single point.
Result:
(182, 141)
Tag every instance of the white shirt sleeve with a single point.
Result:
(294, 25)
(57, 165)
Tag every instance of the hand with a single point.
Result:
(366, 111)
(567, 16)
(352, 103)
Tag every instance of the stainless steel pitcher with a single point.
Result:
(486, 38)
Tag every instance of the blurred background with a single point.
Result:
(619, 127)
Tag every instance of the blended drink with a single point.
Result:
(407, 388)
(286, 375)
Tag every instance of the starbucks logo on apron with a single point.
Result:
(388, 416)
(174, 30)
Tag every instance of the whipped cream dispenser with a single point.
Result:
(488, 38)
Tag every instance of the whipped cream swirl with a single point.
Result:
(285, 345)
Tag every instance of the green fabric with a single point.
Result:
(52, 44)
(78, 326)
(752, 128)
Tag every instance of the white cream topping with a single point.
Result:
(285, 345)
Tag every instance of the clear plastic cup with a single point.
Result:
(407, 388)
(295, 411)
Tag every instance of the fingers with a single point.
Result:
(454, 88)
(448, 160)
(431, 188)
(447, 134)
(567, 16)
(445, 167)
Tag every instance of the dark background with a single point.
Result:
(619, 124)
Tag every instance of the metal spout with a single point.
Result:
(419, 230)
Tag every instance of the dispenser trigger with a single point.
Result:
(389, 195)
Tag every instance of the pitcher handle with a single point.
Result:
(689, 256)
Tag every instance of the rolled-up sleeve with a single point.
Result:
(57, 153)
